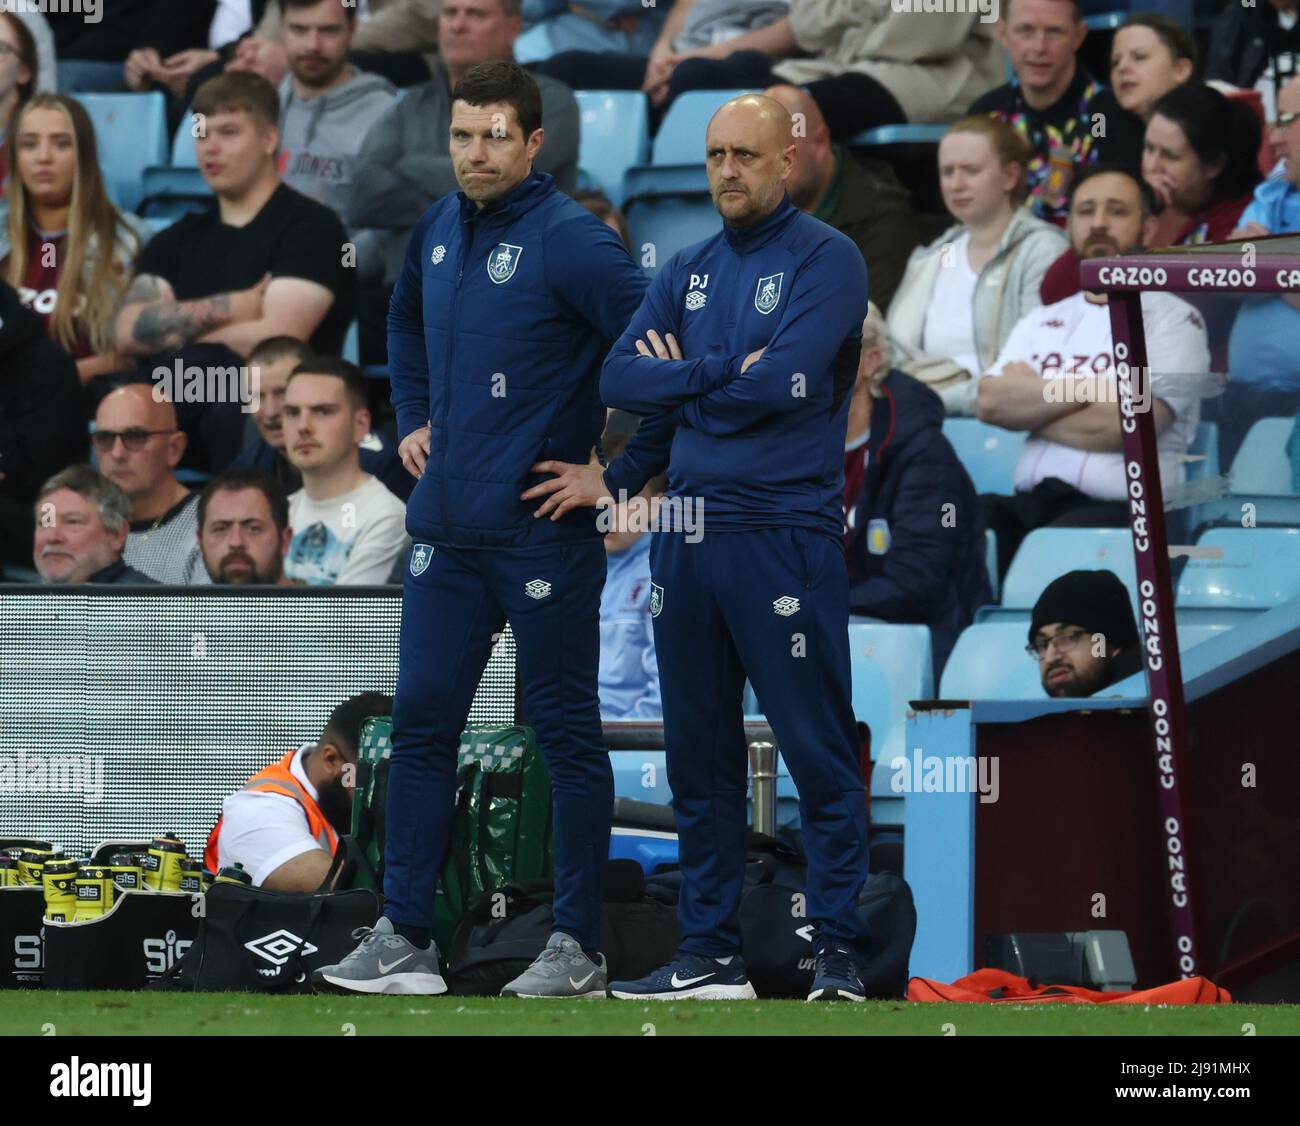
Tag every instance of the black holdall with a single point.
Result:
(257, 941)
(778, 936)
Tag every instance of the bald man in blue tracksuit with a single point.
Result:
(511, 296)
(767, 316)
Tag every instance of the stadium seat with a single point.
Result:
(1048, 553)
(615, 136)
(1205, 450)
(989, 453)
(890, 665)
(680, 139)
(1259, 568)
(1261, 467)
(669, 223)
(131, 132)
(183, 151)
(991, 559)
(989, 661)
(352, 344)
(899, 135)
(170, 192)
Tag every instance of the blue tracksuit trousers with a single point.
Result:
(773, 604)
(450, 612)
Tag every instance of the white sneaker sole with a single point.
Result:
(843, 995)
(410, 985)
(699, 993)
(559, 996)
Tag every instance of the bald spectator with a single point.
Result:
(405, 164)
(244, 528)
(859, 198)
(347, 528)
(81, 528)
(139, 446)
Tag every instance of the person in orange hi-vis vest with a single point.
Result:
(284, 824)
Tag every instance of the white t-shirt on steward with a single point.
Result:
(1072, 337)
(261, 829)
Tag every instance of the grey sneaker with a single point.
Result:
(385, 962)
(561, 970)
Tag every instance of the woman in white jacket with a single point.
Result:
(961, 296)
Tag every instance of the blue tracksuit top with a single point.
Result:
(496, 332)
(764, 448)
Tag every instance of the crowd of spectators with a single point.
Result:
(322, 130)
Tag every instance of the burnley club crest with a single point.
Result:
(502, 262)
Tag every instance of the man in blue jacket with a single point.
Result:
(743, 354)
(509, 299)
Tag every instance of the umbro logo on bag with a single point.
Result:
(278, 945)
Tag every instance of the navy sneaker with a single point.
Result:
(690, 976)
(836, 977)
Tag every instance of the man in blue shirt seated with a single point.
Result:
(629, 670)
(1263, 365)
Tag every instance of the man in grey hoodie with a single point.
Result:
(327, 109)
(404, 166)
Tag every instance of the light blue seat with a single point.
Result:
(680, 139)
(989, 453)
(667, 224)
(614, 137)
(1048, 553)
(1262, 467)
(184, 154)
(991, 559)
(899, 135)
(131, 133)
(1259, 568)
(641, 776)
(890, 666)
(1205, 449)
(989, 663)
(352, 344)
(170, 192)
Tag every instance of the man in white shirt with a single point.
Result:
(284, 824)
(1055, 378)
(348, 529)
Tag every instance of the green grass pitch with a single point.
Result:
(26, 1013)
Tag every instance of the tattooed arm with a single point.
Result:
(153, 321)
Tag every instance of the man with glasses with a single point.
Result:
(1083, 634)
(1263, 367)
(138, 445)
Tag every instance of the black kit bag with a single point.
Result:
(778, 936)
(503, 931)
(257, 941)
(140, 940)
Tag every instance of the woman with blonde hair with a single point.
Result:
(961, 296)
(67, 250)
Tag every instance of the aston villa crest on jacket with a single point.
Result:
(502, 262)
(768, 294)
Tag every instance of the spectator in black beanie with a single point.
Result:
(1083, 634)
